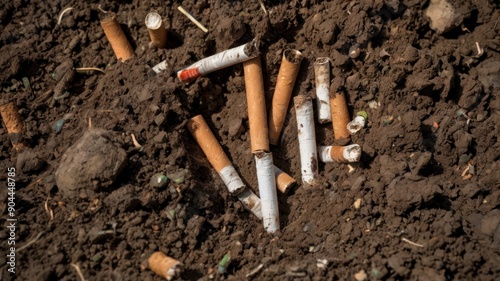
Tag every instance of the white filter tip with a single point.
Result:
(153, 21)
(352, 153)
(356, 124)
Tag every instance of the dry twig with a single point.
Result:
(78, 271)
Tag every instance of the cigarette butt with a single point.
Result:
(340, 118)
(290, 64)
(219, 61)
(307, 139)
(322, 78)
(156, 30)
(284, 182)
(342, 154)
(356, 124)
(13, 123)
(164, 266)
(251, 202)
(256, 100)
(267, 191)
(116, 38)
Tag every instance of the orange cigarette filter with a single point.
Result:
(156, 30)
(163, 265)
(287, 75)
(284, 182)
(122, 48)
(208, 143)
(13, 122)
(256, 100)
(340, 118)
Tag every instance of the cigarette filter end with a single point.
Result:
(117, 39)
(187, 75)
(164, 266)
(340, 154)
(156, 29)
(284, 182)
(356, 125)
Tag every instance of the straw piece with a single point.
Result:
(156, 30)
(256, 100)
(191, 18)
(13, 123)
(289, 69)
(340, 118)
(122, 48)
(164, 266)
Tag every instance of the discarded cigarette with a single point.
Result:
(342, 154)
(256, 100)
(191, 18)
(219, 61)
(267, 191)
(116, 37)
(284, 182)
(307, 139)
(13, 123)
(290, 64)
(357, 123)
(160, 67)
(218, 159)
(322, 78)
(340, 118)
(156, 30)
(164, 266)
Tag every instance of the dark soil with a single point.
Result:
(409, 185)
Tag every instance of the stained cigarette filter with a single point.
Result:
(340, 118)
(307, 139)
(256, 101)
(341, 154)
(13, 123)
(121, 46)
(289, 69)
(219, 61)
(164, 266)
(322, 78)
(156, 29)
(284, 182)
(267, 191)
(357, 123)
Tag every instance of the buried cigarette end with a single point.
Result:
(256, 100)
(284, 182)
(164, 266)
(289, 69)
(121, 47)
(342, 154)
(357, 123)
(307, 139)
(156, 30)
(219, 160)
(322, 78)
(219, 61)
(340, 118)
(13, 123)
(267, 190)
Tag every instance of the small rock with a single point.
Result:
(361, 275)
(161, 137)
(160, 120)
(235, 127)
(490, 222)
(357, 203)
(28, 161)
(443, 16)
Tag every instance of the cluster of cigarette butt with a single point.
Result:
(265, 129)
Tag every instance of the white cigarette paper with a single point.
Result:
(307, 138)
(219, 61)
(356, 124)
(350, 154)
(267, 191)
(251, 202)
(322, 78)
(160, 67)
(231, 179)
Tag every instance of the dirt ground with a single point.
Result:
(422, 204)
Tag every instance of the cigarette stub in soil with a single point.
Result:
(356, 124)
(342, 154)
(221, 163)
(256, 100)
(219, 61)
(290, 64)
(267, 190)
(284, 182)
(122, 48)
(156, 30)
(13, 123)
(340, 118)
(307, 139)
(164, 266)
(322, 78)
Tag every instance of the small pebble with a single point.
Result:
(357, 203)
(361, 275)
(158, 180)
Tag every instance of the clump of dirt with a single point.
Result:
(423, 202)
